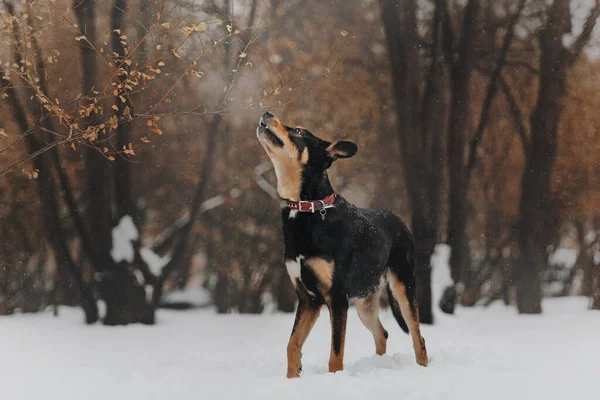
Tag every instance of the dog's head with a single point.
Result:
(297, 155)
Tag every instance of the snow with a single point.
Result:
(590, 237)
(211, 203)
(580, 10)
(196, 296)
(154, 261)
(563, 256)
(122, 236)
(440, 272)
(491, 354)
(478, 353)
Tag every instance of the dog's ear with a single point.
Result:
(342, 149)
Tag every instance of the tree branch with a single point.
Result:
(448, 36)
(585, 35)
(514, 63)
(516, 115)
(431, 76)
(492, 89)
(63, 178)
(406, 100)
(269, 189)
(180, 252)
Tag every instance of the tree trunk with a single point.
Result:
(122, 164)
(50, 209)
(585, 260)
(97, 168)
(587, 282)
(460, 61)
(53, 225)
(222, 295)
(460, 262)
(425, 236)
(418, 132)
(284, 293)
(125, 298)
(596, 289)
(535, 206)
(536, 227)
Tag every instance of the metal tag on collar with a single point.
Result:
(323, 210)
(323, 213)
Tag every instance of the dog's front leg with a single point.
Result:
(306, 316)
(338, 311)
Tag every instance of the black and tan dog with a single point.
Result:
(334, 251)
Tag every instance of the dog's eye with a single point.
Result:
(296, 132)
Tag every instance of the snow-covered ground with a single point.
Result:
(477, 354)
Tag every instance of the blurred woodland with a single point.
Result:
(477, 121)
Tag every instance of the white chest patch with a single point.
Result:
(294, 267)
(293, 214)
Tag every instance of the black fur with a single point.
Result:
(362, 243)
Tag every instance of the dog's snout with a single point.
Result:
(266, 116)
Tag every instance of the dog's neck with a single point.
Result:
(315, 187)
(312, 187)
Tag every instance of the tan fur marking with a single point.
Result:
(323, 270)
(336, 361)
(289, 174)
(412, 319)
(368, 311)
(331, 149)
(294, 349)
(304, 158)
(287, 162)
(275, 125)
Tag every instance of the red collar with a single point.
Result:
(312, 205)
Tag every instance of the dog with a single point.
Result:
(334, 251)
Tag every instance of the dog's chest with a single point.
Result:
(308, 234)
(314, 274)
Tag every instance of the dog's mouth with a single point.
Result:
(266, 136)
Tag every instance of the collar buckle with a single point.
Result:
(312, 206)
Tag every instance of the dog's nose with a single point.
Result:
(268, 115)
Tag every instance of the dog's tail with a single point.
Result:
(396, 310)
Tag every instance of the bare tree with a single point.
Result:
(535, 228)
(459, 58)
(420, 116)
(122, 284)
(35, 142)
(462, 147)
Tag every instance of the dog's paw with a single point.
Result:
(335, 366)
(421, 354)
(294, 371)
(293, 374)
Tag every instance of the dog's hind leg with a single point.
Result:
(403, 291)
(368, 311)
(306, 316)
